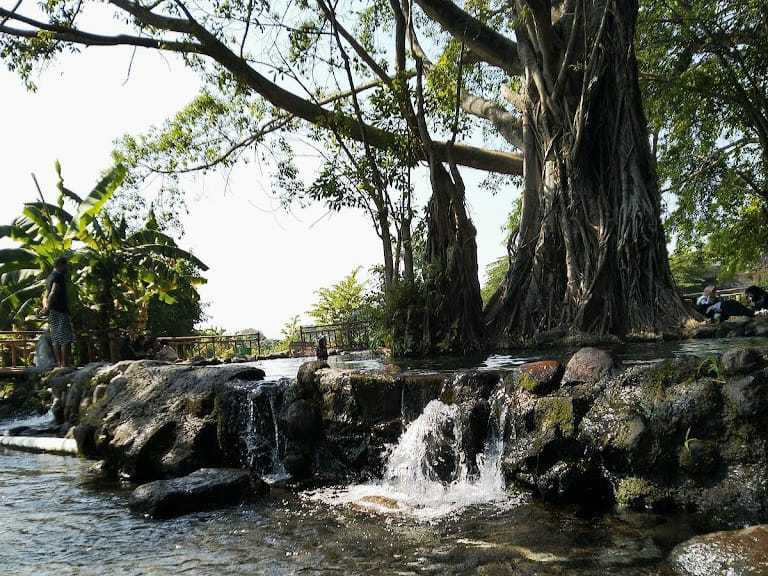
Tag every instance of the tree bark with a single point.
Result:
(590, 255)
(453, 312)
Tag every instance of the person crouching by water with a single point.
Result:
(322, 349)
(715, 308)
(56, 308)
(759, 299)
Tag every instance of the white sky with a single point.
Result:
(265, 264)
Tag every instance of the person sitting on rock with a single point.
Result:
(716, 308)
(322, 349)
(759, 298)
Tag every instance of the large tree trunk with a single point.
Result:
(590, 255)
(453, 311)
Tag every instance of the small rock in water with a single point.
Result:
(735, 553)
(381, 504)
(203, 489)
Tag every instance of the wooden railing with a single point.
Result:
(17, 348)
(214, 346)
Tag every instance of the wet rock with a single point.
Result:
(737, 553)
(307, 380)
(79, 392)
(99, 392)
(155, 419)
(540, 378)
(469, 385)
(698, 458)
(741, 361)
(575, 483)
(747, 397)
(588, 365)
(203, 489)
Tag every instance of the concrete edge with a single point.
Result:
(40, 444)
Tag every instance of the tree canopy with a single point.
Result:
(706, 92)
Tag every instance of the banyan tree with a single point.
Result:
(555, 84)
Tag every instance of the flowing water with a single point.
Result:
(56, 518)
(57, 521)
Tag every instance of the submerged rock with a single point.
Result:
(738, 553)
(203, 489)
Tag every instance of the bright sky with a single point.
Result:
(265, 264)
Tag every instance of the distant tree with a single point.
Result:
(290, 332)
(692, 269)
(342, 302)
(497, 270)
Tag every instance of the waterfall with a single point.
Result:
(254, 426)
(429, 472)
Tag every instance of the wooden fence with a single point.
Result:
(17, 347)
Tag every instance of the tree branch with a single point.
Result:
(75, 36)
(494, 48)
(508, 125)
(547, 38)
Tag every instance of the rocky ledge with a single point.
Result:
(686, 434)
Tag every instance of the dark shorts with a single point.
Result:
(61, 328)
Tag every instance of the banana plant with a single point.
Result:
(115, 270)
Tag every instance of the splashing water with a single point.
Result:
(427, 475)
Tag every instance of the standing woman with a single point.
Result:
(56, 307)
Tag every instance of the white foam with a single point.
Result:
(410, 487)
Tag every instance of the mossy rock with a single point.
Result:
(540, 378)
(698, 458)
(636, 494)
(555, 414)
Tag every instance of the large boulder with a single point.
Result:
(203, 489)
(158, 420)
(588, 365)
(737, 553)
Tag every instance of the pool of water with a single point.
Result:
(626, 353)
(58, 520)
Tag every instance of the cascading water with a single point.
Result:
(255, 422)
(429, 474)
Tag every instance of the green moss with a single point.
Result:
(660, 377)
(635, 493)
(526, 382)
(556, 414)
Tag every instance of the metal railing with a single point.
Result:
(348, 336)
(209, 347)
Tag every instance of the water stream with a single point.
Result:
(435, 511)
